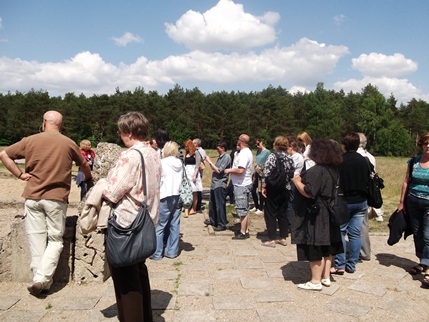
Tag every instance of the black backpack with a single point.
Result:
(279, 177)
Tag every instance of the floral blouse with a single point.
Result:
(125, 185)
(270, 164)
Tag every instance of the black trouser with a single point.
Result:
(275, 213)
(132, 290)
(199, 200)
(230, 193)
(217, 207)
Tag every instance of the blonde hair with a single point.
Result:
(171, 149)
(85, 143)
(304, 138)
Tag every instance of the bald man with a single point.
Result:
(241, 177)
(49, 157)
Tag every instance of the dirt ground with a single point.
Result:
(12, 203)
(11, 190)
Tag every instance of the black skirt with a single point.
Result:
(313, 253)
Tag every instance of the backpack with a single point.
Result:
(337, 205)
(279, 177)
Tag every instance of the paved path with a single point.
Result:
(219, 279)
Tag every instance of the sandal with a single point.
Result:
(269, 244)
(336, 271)
(282, 242)
(425, 281)
(418, 269)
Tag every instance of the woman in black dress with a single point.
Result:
(316, 238)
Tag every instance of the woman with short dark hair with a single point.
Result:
(317, 239)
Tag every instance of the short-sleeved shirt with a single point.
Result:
(49, 159)
(125, 185)
(244, 160)
(220, 180)
(202, 153)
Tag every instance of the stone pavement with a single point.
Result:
(219, 279)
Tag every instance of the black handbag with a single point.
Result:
(337, 205)
(133, 244)
(375, 184)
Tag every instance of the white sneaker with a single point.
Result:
(379, 218)
(326, 282)
(259, 212)
(310, 286)
(253, 209)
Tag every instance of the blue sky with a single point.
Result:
(94, 47)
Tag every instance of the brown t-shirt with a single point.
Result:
(48, 158)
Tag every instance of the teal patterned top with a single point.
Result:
(419, 185)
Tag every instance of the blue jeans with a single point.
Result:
(353, 229)
(418, 210)
(169, 218)
(217, 207)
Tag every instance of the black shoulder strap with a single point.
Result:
(337, 183)
(143, 176)
(370, 165)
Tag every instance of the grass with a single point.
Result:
(391, 169)
(177, 265)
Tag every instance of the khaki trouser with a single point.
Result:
(45, 222)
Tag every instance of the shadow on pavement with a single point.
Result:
(296, 272)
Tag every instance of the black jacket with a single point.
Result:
(399, 223)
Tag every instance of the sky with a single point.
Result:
(96, 47)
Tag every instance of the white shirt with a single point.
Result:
(365, 153)
(307, 161)
(298, 163)
(244, 160)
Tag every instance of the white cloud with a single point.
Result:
(378, 65)
(1, 22)
(127, 38)
(384, 71)
(402, 89)
(339, 19)
(304, 63)
(298, 89)
(224, 27)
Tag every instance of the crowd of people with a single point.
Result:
(291, 186)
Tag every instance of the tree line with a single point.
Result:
(189, 113)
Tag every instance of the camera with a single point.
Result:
(314, 209)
